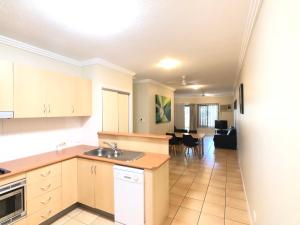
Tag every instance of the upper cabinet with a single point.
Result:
(42, 93)
(6, 86)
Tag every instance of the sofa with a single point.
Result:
(226, 140)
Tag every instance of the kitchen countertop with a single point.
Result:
(149, 161)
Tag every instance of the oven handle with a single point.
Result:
(10, 194)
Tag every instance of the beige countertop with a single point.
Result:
(149, 161)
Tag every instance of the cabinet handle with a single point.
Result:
(45, 109)
(46, 216)
(47, 201)
(91, 169)
(46, 188)
(49, 109)
(46, 174)
(73, 110)
(95, 171)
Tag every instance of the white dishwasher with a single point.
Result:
(129, 195)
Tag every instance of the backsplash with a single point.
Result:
(24, 137)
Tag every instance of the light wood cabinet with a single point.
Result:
(104, 184)
(115, 111)
(29, 92)
(69, 182)
(86, 182)
(43, 93)
(95, 184)
(6, 86)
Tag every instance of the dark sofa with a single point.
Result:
(227, 140)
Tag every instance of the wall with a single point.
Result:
(180, 101)
(144, 107)
(268, 132)
(24, 137)
(103, 77)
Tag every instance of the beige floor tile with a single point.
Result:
(176, 199)
(216, 191)
(173, 210)
(215, 199)
(188, 216)
(213, 209)
(191, 203)
(235, 194)
(102, 221)
(73, 222)
(177, 222)
(62, 220)
(85, 217)
(206, 219)
(199, 195)
(168, 221)
(198, 187)
(218, 184)
(236, 203)
(179, 190)
(74, 212)
(233, 186)
(230, 222)
(237, 215)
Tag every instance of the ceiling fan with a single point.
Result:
(183, 82)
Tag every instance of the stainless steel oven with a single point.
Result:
(12, 202)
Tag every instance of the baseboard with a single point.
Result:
(248, 205)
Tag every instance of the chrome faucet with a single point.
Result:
(113, 146)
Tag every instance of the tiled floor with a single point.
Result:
(206, 191)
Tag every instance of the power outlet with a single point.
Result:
(254, 216)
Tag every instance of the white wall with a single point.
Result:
(25, 137)
(103, 77)
(180, 101)
(268, 132)
(144, 107)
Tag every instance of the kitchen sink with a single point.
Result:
(3, 171)
(121, 155)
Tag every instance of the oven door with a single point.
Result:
(11, 204)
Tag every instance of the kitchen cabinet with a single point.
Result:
(6, 86)
(95, 184)
(43, 93)
(69, 182)
(115, 111)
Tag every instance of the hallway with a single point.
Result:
(207, 191)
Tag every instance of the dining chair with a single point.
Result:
(190, 143)
(174, 143)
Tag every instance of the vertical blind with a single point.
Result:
(207, 114)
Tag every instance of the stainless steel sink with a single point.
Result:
(121, 155)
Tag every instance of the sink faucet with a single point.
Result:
(113, 146)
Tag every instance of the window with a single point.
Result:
(186, 117)
(207, 114)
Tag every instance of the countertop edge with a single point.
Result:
(136, 135)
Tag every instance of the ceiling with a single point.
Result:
(205, 35)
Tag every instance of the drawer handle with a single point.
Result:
(46, 216)
(47, 201)
(46, 188)
(46, 174)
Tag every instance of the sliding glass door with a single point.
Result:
(207, 114)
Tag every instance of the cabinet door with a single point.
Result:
(29, 91)
(110, 114)
(69, 183)
(6, 86)
(83, 105)
(86, 182)
(104, 186)
(123, 112)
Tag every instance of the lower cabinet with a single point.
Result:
(69, 182)
(95, 184)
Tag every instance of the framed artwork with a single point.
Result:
(162, 109)
(235, 104)
(241, 98)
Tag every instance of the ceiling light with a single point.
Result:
(168, 63)
(92, 17)
(195, 86)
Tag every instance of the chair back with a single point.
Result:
(188, 140)
(193, 131)
(173, 140)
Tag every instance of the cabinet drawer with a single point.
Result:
(38, 189)
(38, 203)
(44, 214)
(44, 173)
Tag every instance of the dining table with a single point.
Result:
(199, 136)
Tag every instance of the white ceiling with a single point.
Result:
(206, 35)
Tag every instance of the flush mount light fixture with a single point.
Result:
(195, 86)
(168, 63)
(92, 17)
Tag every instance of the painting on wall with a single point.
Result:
(241, 98)
(162, 109)
(235, 104)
